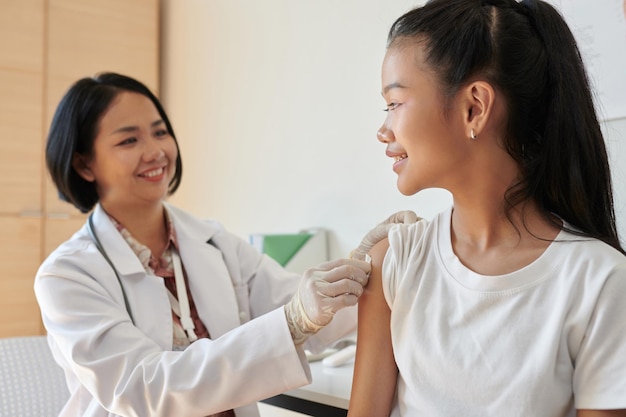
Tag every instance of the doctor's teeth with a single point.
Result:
(153, 173)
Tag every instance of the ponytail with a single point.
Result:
(571, 176)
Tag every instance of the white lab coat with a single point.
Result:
(115, 367)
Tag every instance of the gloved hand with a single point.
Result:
(380, 232)
(322, 292)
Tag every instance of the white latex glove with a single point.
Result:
(322, 292)
(380, 232)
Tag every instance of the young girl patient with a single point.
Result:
(510, 302)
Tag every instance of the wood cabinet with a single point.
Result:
(46, 45)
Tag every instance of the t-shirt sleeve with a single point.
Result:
(404, 239)
(600, 366)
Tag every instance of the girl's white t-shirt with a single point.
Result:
(540, 341)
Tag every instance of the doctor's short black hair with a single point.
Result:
(75, 126)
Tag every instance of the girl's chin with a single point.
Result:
(405, 190)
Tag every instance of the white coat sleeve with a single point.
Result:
(129, 374)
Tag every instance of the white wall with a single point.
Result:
(276, 104)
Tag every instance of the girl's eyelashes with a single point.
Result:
(161, 132)
(391, 106)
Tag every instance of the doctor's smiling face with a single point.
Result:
(133, 159)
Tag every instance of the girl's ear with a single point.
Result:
(478, 99)
(80, 165)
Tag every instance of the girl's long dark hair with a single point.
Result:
(527, 51)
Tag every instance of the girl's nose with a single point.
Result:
(384, 135)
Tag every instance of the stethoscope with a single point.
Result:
(94, 237)
(180, 306)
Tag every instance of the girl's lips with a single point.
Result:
(399, 160)
(398, 155)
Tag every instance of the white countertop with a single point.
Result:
(330, 386)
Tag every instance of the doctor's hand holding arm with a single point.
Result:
(324, 290)
(380, 232)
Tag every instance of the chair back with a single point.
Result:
(31, 382)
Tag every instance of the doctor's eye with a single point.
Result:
(391, 106)
(161, 132)
(128, 141)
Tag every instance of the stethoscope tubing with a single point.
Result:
(94, 237)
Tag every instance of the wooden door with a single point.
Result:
(21, 132)
(46, 45)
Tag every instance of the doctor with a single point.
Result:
(151, 311)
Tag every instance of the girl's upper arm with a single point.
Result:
(375, 371)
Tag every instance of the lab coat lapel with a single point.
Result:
(149, 305)
(122, 256)
(209, 279)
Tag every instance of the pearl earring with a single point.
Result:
(473, 134)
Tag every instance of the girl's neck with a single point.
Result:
(490, 243)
